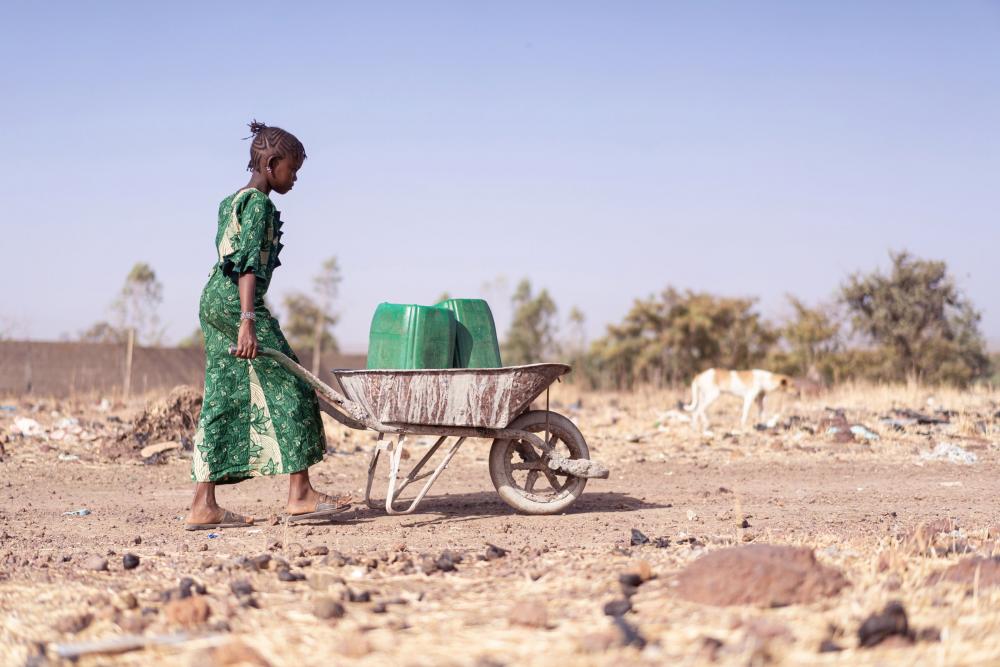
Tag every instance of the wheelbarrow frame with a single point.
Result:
(352, 415)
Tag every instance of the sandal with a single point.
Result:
(326, 506)
(228, 520)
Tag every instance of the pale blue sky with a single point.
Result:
(604, 150)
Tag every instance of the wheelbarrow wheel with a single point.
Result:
(519, 469)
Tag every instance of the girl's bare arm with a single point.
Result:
(246, 342)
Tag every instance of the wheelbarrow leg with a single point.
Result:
(372, 469)
(392, 493)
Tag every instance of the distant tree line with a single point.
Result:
(911, 323)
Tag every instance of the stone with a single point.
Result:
(74, 622)
(327, 608)
(618, 607)
(629, 579)
(638, 538)
(829, 646)
(125, 600)
(188, 612)
(531, 614)
(260, 561)
(447, 560)
(295, 550)
(358, 596)
(234, 654)
(318, 550)
(972, 571)
(241, 587)
(758, 574)
(288, 575)
(130, 561)
(95, 563)
(629, 634)
(355, 645)
(494, 552)
(879, 627)
(641, 569)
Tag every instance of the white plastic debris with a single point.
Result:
(27, 426)
(950, 452)
(863, 432)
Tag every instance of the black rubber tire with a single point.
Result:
(508, 488)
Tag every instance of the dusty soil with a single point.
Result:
(438, 594)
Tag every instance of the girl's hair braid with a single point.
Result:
(271, 142)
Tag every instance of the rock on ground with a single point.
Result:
(964, 572)
(758, 574)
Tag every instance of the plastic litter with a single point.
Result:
(950, 452)
(212, 536)
(8, 408)
(83, 511)
(27, 426)
(69, 457)
(862, 431)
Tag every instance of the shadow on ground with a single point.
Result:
(483, 504)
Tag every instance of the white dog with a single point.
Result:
(751, 386)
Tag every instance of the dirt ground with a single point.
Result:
(427, 589)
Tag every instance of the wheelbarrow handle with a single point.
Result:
(356, 417)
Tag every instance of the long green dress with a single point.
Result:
(257, 418)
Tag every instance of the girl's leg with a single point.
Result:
(204, 508)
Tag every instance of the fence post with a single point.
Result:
(129, 344)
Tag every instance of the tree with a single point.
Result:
(195, 339)
(672, 337)
(137, 304)
(811, 339)
(326, 284)
(531, 337)
(305, 317)
(103, 332)
(924, 325)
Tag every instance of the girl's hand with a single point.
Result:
(246, 342)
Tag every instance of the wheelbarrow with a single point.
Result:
(539, 461)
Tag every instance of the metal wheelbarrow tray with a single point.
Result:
(530, 447)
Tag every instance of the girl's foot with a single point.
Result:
(209, 518)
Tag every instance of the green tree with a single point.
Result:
(811, 340)
(137, 304)
(531, 337)
(305, 317)
(195, 339)
(916, 315)
(671, 337)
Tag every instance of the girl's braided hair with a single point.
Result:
(271, 142)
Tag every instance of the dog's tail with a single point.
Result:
(694, 398)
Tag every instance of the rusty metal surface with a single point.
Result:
(480, 397)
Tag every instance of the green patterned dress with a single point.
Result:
(257, 418)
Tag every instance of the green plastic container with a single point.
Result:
(409, 336)
(476, 343)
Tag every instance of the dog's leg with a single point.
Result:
(748, 401)
(760, 406)
(706, 399)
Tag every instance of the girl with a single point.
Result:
(256, 419)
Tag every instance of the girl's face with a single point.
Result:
(284, 173)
